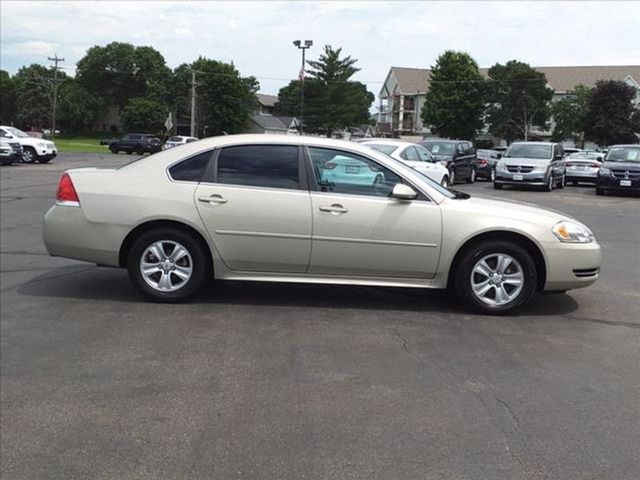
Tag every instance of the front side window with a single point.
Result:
(343, 172)
(272, 166)
(191, 169)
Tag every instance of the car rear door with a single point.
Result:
(359, 230)
(256, 206)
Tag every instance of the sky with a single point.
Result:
(258, 36)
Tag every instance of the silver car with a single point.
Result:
(582, 167)
(531, 164)
(258, 207)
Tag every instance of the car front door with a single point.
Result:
(461, 161)
(359, 230)
(256, 206)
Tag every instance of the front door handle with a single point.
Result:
(215, 198)
(335, 209)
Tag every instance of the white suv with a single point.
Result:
(34, 149)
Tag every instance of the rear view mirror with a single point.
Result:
(403, 192)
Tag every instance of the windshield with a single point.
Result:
(529, 150)
(439, 148)
(386, 149)
(15, 132)
(623, 154)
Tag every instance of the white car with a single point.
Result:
(178, 140)
(260, 207)
(416, 156)
(33, 149)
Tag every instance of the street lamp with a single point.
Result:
(307, 44)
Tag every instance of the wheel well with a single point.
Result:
(531, 248)
(145, 227)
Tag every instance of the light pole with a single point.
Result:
(307, 44)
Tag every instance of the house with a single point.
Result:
(264, 119)
(266, 104)
(403, 92)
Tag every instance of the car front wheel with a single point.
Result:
(495, 277)
(29, 155)
(472, 176)
(167, 265)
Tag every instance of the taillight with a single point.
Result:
(481, 162)
(67, 192)
(595, 165)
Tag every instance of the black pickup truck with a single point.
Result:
(136, 142)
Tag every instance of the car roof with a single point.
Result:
(382, 141)
(442, 140)
(534, 143)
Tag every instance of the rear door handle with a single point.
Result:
(335, 209)
(215, 198)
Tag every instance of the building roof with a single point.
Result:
(269, 122)
(561, 79)
(266, 100)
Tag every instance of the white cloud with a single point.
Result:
(257, 36)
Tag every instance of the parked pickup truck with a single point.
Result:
(136, 142)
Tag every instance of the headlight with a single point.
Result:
(42, 144)
(604, 171)
(501, 166)
(540, 168)
(571, 232)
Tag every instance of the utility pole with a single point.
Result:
(56, 60)
(193, 103)
(307, 44)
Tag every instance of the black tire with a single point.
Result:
(472, 176)
(29, 155)
(200, 264)
(549, 186)
(139, 150)
(600, 191)
(452, 177)
(462, 276)
(563, 182)
(114, 150)
(497, 186)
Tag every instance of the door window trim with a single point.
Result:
(313, 183)
(210, 176)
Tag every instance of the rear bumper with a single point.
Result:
(571, 266)
(67, 233)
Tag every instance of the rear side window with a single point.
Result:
(191, 169)
(273, 166)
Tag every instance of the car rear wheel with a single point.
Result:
(549, 186)
(472, 176)
(167, 265)
(495, 277)
(29, 155)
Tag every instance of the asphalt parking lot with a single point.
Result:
(266, 381)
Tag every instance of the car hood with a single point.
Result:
(511, 209)
(525, 161)
(32, 141)
(631, 166)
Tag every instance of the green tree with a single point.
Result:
(144, 115)
(34, 95)
(455, 103)
(226, 100)
(76, 107)
(519, 99)
(119, 71)
(7, 98)
(611, 114)
(570, 114)
(331, 99)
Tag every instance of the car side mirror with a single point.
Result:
(403, 192)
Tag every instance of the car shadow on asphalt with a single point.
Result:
(98, 284)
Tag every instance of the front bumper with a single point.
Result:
(618, 184)
(539, 179)
(571, 265)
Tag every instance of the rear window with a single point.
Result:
(273, 166)
(174, 139)
(191, 169)
(386, 149)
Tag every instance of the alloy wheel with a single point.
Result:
(166, 265)
(28, 155)
(497, 279)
